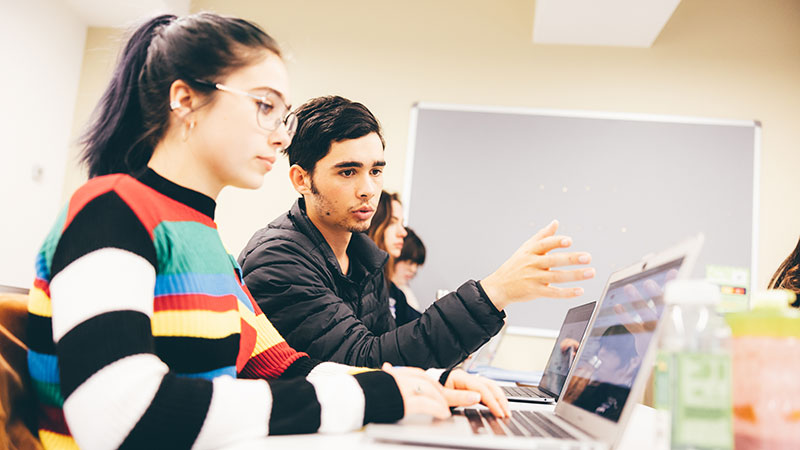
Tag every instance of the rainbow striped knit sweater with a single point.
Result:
(142, 334)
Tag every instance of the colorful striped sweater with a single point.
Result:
(141, 334)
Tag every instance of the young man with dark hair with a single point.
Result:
(319, 278)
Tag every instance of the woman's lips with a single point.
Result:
(268, 161)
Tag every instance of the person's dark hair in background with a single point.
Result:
(325, 120)
(413, 249)
(412, 256)
(788, 274)
(134, 112)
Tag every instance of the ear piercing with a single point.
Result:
(187, 130)
(174, 105)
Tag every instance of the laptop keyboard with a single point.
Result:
(522, 391)
(521, 423)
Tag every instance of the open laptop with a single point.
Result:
(607, 379)
(561, 358)
(485, 354)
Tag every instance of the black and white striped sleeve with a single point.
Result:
(119, 393)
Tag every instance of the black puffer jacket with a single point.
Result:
(294, 276)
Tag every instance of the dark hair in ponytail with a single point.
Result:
(133, 113)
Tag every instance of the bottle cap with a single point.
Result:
(697, 292)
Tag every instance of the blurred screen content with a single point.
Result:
(618, 340)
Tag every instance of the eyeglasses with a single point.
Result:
(272, 111)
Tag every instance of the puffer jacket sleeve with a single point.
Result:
(293, 290)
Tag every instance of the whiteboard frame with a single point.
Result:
(589, 114)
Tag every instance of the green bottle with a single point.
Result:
(693, 368)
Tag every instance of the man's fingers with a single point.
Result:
(551, 260)
(548, 230)
(555, 292)
(544, 245)
(565, 276)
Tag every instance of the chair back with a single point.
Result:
(17, 400)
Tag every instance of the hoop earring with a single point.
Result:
(188, 130)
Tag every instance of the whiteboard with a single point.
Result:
(482, 180)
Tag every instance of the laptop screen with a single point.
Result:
(617, 342)
(565, 349)
(485, 354)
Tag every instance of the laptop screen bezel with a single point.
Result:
(573, 310)
(601, 428)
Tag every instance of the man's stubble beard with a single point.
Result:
(325, 208)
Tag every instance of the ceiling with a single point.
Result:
(626, 23)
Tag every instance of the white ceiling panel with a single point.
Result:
(626, 23)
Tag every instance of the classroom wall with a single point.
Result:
(100, 54)
(41, 43)
(737, 59)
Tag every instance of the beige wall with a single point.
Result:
(737, 59)
(100, 55)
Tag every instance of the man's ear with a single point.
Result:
(301, 179)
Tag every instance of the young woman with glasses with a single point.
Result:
(141, 332)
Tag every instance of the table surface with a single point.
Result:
(642, 431)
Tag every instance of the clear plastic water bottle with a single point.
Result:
(693, 369)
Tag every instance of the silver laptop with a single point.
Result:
(561, 358)
(484, 356)
(606, 381)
